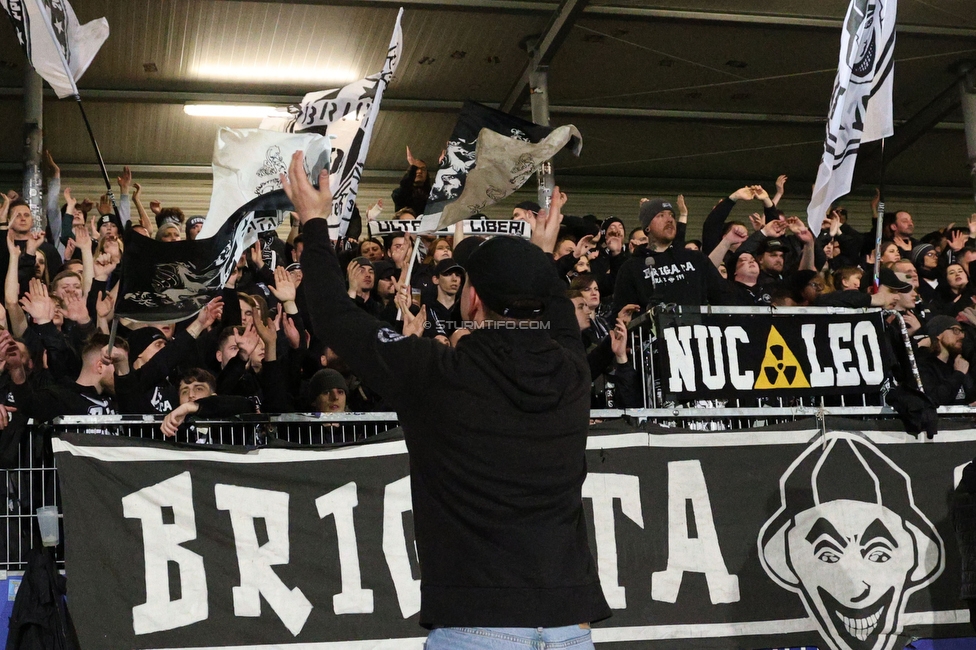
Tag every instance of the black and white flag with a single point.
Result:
(57, 46)
(249, 162)
(169, 281)
(489, 156)
(860, 106)
(346, 115)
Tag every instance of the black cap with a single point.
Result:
(650, 209)
(364, 261)
(141, 339)
(385, 269)
(512, 277)
(109, 218)
(771, 245)
(531, 206)
(448, 266)
(467, 246)
(890, 279)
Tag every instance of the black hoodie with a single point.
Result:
(496, 429)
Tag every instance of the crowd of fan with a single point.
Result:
(253, 348)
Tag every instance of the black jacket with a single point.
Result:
(676, 275)
(496, 429)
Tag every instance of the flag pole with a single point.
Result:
(880, 220)
(98, 154)
(111, 335)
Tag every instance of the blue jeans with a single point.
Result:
(509, 638)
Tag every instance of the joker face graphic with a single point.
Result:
(849, 540)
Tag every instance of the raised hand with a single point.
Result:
(34, 241)
(52, 169)
(410, 159)
(292, 334)
(757, 220)
(584, 246)
(125, 180)
(618, 341)
(284, 288)
(546, 232)
(743, 194)
(38, 303)
(781, 183)
(104, 265)
(310, 202)
(737, 234)
(76, 309)
(137, 191)
(958, 240)
(105, 305)
(682, 207)
(155, 207)
(104, 205)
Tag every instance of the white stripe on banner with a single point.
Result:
(627, 634)
(611, 441)
(130, 454)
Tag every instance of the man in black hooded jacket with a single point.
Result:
(498, 517)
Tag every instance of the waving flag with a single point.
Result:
(860, 107)
(489, 156)
(249, 162)
(57, 46)
(347, 116)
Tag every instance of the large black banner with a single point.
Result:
(719, 353)
(775, 537)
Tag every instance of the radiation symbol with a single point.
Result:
(780, 369)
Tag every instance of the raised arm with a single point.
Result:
(368, 345)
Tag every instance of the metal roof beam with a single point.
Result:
(869, 161)
(177, 97)
(545, 49)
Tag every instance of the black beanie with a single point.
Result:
(513, 277)
(141, 339)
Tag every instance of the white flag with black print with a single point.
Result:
(249, 162)
(57, 46)
(347, 116)
(860, 106)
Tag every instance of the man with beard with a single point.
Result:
(772, 261)
(849, 540)
(944, 371)
(661, 273)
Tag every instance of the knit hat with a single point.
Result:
(650, 209)
(513, 277)
(939, 324)
(141, 339)
(323, 381)
(109, 218)
(194, 221)
(918, 253)
(163, 229)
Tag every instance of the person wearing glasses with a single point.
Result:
(943, 368)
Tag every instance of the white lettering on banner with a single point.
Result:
(868, 353)
(469, 227)
(681, 358)
(819, 376)
(740, 380)
(714, 361)
(841, 333)
(699, 554)
(340, 503)
(396, 501)
(255, 562)
(162, 545)
(698, 350)
(602, 489)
